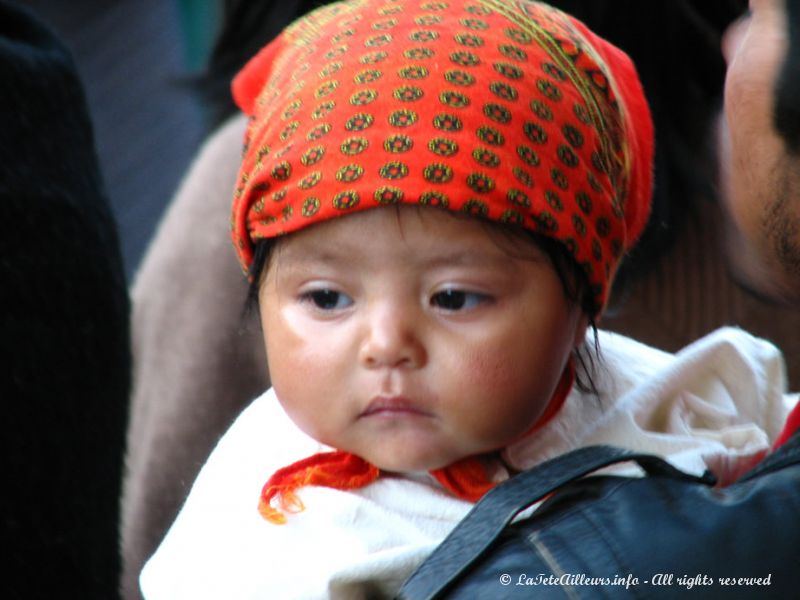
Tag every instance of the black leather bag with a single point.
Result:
(659, 536)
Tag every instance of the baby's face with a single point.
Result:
(413, 338)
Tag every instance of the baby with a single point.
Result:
(434, 199)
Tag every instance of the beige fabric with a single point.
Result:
(197, 360)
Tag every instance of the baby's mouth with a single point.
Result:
(389, 406)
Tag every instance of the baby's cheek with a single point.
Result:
(508, 394)
(491, 374)
(302, 379)
(489, 370)
(509, 363)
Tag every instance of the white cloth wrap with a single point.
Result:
(719, 403)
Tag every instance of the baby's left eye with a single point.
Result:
(325, 299)
(457, 300)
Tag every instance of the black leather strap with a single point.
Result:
(499, 506)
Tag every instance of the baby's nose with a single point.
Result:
(392, 339)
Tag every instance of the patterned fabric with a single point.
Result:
(511, 111)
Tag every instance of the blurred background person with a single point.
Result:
(65, 374)
(760, 148)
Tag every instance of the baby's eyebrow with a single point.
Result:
(479, 259)
(309, 250)
(333, 257)
(310, 254)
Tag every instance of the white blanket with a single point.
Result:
(719, 403)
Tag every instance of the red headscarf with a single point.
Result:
(509, 110)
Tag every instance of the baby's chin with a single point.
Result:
(406, 467)
(410, 464)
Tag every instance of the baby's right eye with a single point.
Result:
(457, 300)
(326, 299)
